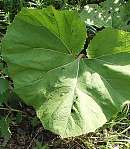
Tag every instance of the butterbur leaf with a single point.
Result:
(110, 52)
(72, 96)
(53, 31)
(117, 42)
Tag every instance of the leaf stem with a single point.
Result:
(81, 56)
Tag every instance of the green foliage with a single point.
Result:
(34, 121)
(3, 83)
(12, 7)
(18, 118)
(3, 90)
(71, 94)
(4, 128)
(40, 146)
(110, 13)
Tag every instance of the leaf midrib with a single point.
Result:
(36, 81)
(103, 56)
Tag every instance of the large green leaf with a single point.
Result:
(72, 96)
(116, 41)
(37, 30)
